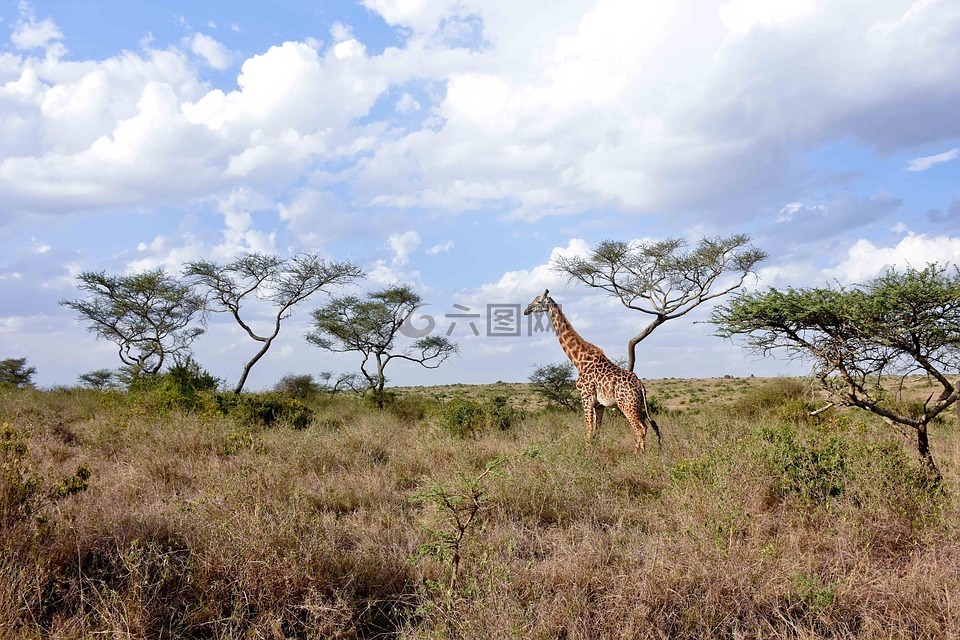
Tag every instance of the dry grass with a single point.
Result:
(751, 522)
(676, 394)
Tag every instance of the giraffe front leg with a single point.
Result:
(588, 415)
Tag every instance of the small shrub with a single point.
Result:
(809, 593)
(812, 467)
(236, 442)
(72, 484)
(332, 423)
(299, 387)
(892, 489)
(499, 414)
(373, 400)
(263, 409)
(459, 510)
(654, 405)
(797, 411)
(179, 387)
(769, 398)
(463, 418)
(687, 469)
(412, 408)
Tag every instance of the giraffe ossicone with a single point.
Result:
(601, 383)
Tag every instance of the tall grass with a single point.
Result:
(753, 521)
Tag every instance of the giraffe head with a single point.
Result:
(539, 304)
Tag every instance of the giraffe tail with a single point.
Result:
(646, 411)
(656, 430)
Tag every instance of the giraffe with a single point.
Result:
(601, 383)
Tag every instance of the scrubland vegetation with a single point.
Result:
(469, 512)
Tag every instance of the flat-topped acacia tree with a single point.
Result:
(282, 283)
(863, 339)
(664, 279)
(369, 326)
(147, 315)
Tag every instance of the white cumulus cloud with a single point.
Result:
(403, 244)
(32, 33)
(214, 53)
(866, 259)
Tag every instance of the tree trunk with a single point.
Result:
(246, 369)
(381, 381)
(923, 448)
(632, 345)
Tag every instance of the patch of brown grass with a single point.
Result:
(195, 526)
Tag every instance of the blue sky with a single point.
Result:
(461, 146)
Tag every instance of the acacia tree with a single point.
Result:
(370, 326)
(863, 339)
(14, 372)
(282, 283)
(99, 379)
(556, 384)
(148, 315)
(664, 280)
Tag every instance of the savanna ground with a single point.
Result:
(471, 512)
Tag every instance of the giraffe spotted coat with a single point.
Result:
(601, 383)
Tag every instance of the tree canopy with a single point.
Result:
(14, 372)
(282, 283)
(556, 385)
(861, 339)
(98, 379)
(369, 326)
(148, 315)
(664, 279)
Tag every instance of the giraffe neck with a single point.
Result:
(572, 344)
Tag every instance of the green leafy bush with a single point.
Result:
(894, 487)
(812, 466)
(182, 386)
(500, 415)
(300, 387)
(265, 409)
(236, 442)
(462, 417)
(466, 417)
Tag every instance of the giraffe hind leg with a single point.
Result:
(634, 414)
